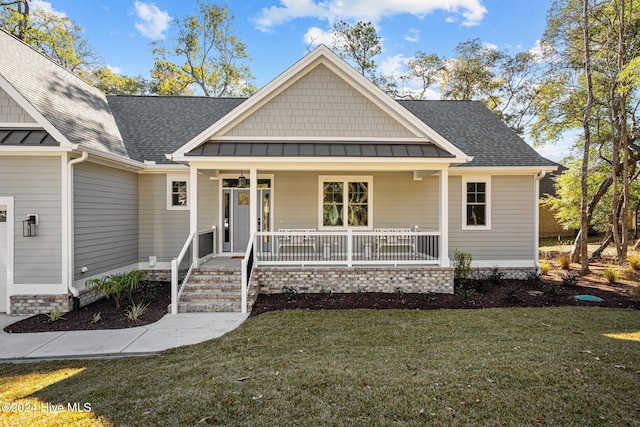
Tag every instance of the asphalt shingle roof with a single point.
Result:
(75, 108)
(153, 126)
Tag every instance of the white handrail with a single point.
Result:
(245, 273)
(175, 263)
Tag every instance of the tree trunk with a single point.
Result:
(584, 223)
(622, 62)
(598, 252)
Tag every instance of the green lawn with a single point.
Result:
(551, 366)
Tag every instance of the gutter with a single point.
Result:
(70, 233)
(536, 219)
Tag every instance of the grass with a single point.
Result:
(527, 366)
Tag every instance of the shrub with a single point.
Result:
(462, 261)
(325, 292)
(611, 274)
(55, 315)
(399, 292)
(496, 276)
(120, 286)
(96, 317)
(570, 280)
(634, 263)
(427, 296)
(544, 268)
(289, 292)
(510, 296)
(136, 311)
(533, 276)
(564, 261)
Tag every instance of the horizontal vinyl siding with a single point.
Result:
(162, 232)
(208, 202)
(512, 230)
(105, 218)
(398, 200)
(35, 183)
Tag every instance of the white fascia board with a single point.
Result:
(164, 168)
(9, 125)
(110, 159)
(17, 150)
(323, 55)
(318, 164)
(501, 170)
(35, 114)
(298, 139)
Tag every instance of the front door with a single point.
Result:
(237, 205)
(3, 259)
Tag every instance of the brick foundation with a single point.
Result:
(38, 304)
(513, 273)
(159, 275)
(356, 279)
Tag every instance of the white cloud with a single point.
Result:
(114, 70)
(472, 11)
(450, 20)
(316, 36)
(394, 66)
(412, 36)
(491, 46)
(152, 22)
(45, 6)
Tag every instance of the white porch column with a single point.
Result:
(254, 202)
(444, 218)
(192, 200)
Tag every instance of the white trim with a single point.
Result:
(511, 263)
(66, 197)
(9, 203)
(33, 112)
(177, 177)
(501, 170)
(164, 168)
(307, 139)
(20, 125)
(319, 163)
(39, 289)
(322, 55)
(536, 217)
(19, 150)
(444, 217)
(192, 204)
(476, 178)
(345, 179)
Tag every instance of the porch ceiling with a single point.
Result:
(316, 149)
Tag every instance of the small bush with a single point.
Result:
(544, 268)
(634, 263)
(427, 296)
(119, 286)
(611, 275)
(510, 296)
(361, 291)
(570, 280)
(496, 276)
(533, 276)
(462, 261)
(289, 292)
(96, 317)
(564, 261)
(136, 311)
(325, 292)
(399, 292)
(55, 315)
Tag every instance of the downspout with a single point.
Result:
(70, 232)
(536, 219)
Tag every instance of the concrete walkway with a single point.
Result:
(169, 332)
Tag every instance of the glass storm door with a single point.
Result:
(236, 214)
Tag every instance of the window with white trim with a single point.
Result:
(345, 202)
(178, 191)
(476, 203)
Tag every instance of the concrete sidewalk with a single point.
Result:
(169, 332)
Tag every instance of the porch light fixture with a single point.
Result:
(242, 180)
(29, 226)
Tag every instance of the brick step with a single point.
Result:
(214, 278)
(213, 287)
(210, 307)
(210, 297)
(221, 272)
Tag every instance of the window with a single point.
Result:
(345, 203)
(476, 204)
(177, 192)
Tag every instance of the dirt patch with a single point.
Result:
(110, 317)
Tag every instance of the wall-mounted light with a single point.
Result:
(242, 180)
(29, 225)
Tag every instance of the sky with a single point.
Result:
(278, 33)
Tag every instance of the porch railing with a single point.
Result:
(347, 248)
(184, 264)
(247, 268)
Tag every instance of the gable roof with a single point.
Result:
(323, 56)
(70, 109)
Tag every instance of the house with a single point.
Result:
(549, 225)
(318, 180)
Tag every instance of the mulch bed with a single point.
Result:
(509, 293)
(110, 317)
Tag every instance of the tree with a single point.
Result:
(359, 43)
(213, 58)
(425, 68)
(113, 84)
